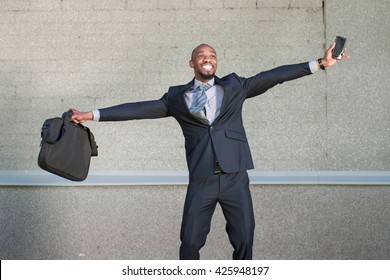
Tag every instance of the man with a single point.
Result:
(209, 111)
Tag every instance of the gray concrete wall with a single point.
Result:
(293, 222)
(89, 54)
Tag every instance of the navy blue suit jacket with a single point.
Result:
(225, 139)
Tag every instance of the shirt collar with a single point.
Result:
(197, 83)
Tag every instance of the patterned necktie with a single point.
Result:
(199, 102)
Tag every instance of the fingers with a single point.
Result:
(81, 117)
(328, 53)
(343, 55)
(330, 49)
(74, 111)
(76, 117)
(332, 46)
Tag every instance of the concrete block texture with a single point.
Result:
(130, 222)
(55, 55)
(358, 107)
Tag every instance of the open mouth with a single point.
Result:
(207, 67)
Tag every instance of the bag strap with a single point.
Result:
(66, 115)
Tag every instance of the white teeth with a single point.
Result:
(208, 67)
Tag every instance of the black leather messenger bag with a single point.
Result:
(66, 148)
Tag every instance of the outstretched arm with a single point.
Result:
(152, 109)
(263, 81)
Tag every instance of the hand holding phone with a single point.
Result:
(339, 47)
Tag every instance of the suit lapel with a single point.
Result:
(181, 97)
(225, 99)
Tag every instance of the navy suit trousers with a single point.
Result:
(232, 192)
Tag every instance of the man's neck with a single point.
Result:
(199, 82)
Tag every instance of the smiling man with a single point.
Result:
(209, 112)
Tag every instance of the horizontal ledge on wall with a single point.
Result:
(126, 178)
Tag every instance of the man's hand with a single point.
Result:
(80, 117)
(328, 60)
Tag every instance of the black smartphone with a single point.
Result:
(339, 48)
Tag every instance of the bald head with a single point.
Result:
(201, 47)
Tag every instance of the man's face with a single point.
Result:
(204, 62)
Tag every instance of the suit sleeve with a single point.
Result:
(152, 109)
(263, 81)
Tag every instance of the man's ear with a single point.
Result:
(191, 63)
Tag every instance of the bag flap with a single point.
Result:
(52, 130)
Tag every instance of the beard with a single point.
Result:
(207, 76)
